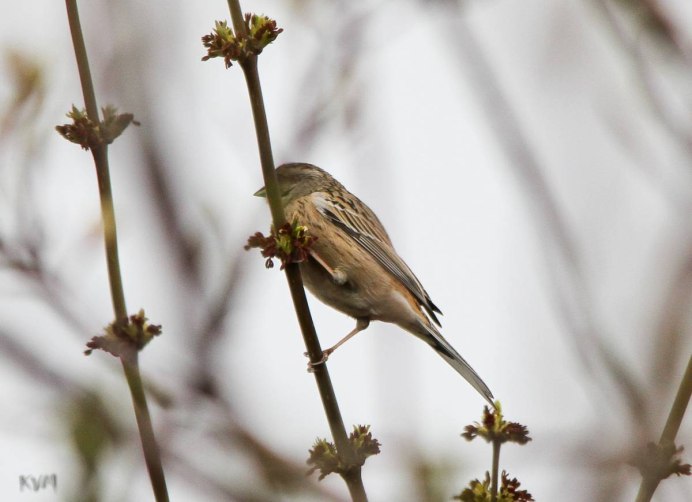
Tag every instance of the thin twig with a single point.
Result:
(129, 359)
(100, 154)
(677, 412)
(496, 469)
(331, 407)
(680, 403)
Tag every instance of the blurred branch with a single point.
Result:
(655, 18)
(209, 333)
(184, 246)
(202, 479)
(282, 474)
(23, 358)
(29, 90)
(273, 490)
(653, 476)
(670, 331)
(333, 77)
(25, 256)
(129, 356)
(677, 411)
(571, 295)
(663, 26)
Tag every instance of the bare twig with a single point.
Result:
(128, 358)
(249, 65)
(652, 477)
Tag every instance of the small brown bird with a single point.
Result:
(353, 266)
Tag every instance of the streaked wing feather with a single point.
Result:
(368, 232)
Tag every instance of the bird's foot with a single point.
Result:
(325, 355)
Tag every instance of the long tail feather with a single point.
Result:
(435, 339)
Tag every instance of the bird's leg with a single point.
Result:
(338, 276)
(361, 324)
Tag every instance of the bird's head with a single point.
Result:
(298, 180)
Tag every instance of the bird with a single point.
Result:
(353, 267)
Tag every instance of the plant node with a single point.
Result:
(121, 337)
(90, 135)
(291, 244)
(325, 458)
(494, 428)
(260, 31)
(660, 461)
(480, 491)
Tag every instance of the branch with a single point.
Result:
(128, 358)
(652, 476)
(295, 282)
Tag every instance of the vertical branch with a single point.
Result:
(651, 479)
(259, 114)
(129, 356)
(494, 429)
(677, 411)
(152, 453)
(100, 154)
(82, 60)
(496, 468)
(331, 407)
(110, 233)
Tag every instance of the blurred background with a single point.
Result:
(532, 162)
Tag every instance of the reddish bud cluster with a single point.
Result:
(291, 244)
(495, 428)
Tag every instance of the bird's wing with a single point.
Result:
(359, 222)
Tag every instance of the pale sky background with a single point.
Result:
(386, 96)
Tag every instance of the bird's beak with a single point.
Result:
(262, 192)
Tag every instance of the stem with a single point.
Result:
(100, 155)
(494, 474)
(152, 454)
(237, 18)
(82, 60)
(677, 412)
(259, 114)
(129, 359)
(353, 477)
(110, 233)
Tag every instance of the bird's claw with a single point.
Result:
(311, 365)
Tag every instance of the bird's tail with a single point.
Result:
(435, 339)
